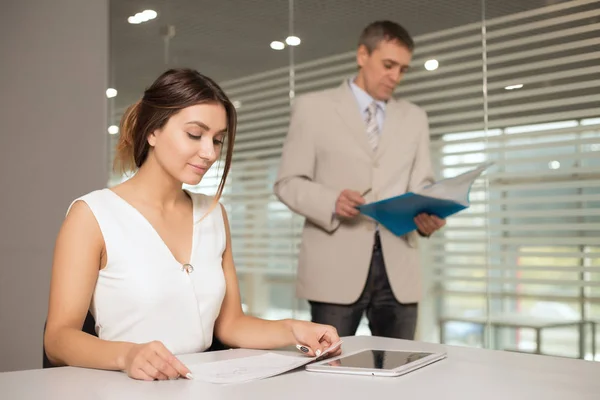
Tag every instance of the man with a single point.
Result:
(343, 144)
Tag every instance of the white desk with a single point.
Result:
(466, 374)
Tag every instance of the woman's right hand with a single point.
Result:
(153, 361)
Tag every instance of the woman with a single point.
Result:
(153, 262)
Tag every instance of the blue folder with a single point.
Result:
(397, 214)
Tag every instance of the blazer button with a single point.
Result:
(376, 164)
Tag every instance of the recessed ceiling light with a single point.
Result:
(431, 65)
(514, 87)
(277, 45)
(237, 104)
(150, 14)
(554, 165)
(113, 129)
(143, 16)
(110, 93)
(292, 40)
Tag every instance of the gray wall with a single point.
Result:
(53, 148)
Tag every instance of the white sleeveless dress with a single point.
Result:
(143, 294)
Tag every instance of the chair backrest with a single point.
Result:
(89, 326)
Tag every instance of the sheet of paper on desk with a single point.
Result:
(246, 369)
(251, 368)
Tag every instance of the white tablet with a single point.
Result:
(376, 362)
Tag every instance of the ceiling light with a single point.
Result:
(237, 104)
(292, 40)
(513, 87)
(431, 65)
(143, 16)
(150, 14)
(113, 129)
(277, 45)
(554, 165)
(110, 93)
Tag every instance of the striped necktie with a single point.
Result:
(372, 126)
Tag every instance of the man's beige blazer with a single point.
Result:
(327, 151)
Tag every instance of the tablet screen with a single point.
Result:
(378, 359)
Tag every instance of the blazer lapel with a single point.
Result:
(348, 110)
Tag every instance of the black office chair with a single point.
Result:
(89, 326)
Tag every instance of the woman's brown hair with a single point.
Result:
(170, 93)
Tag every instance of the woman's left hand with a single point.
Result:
(315, 338)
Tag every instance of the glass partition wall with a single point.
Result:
(512, 82)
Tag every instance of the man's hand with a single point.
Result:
(346, 204)
(428, 224)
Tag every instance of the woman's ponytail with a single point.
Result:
(125, 153)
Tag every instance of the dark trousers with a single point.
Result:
(387, 317)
